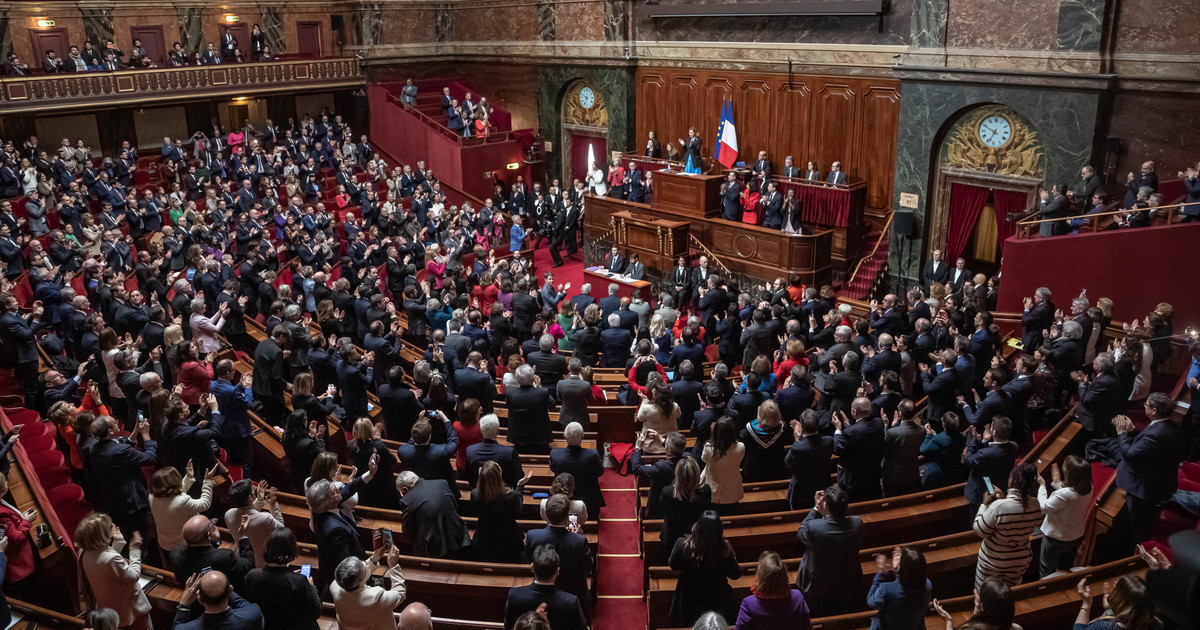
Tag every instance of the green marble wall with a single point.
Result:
(615, 84)
(1064, 119)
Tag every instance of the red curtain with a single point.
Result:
(1004, 202)
(966, 205)
(579, 155)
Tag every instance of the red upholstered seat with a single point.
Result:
(36, 443)
(22, 416)
(45, 460)
(64, 494)
(31, 430)
(71, 513)
(53, 476)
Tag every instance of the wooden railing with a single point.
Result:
(883, 234)
(1028, 228)
(65, 91)
(474, 140)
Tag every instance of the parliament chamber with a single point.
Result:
(506, 315)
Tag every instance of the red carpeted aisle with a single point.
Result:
(571, 271)
(619, 602)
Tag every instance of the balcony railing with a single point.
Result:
(87, 89)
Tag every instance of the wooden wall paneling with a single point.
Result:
(790, 122)
(716, 89)
(753, 112)
(684, 107)
(834, 118)
(876, 146)
(651, 96)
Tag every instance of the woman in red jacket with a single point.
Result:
(195, 373)
(16, 525)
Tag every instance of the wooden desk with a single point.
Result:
(690, 195)
(600, 283)
(658, 240)
(768, 254)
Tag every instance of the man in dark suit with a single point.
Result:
(431, 519)
(731, 192)
(661, 472)
(997, 402)
(584, 299)
(615, 342)
(830, 573)
(992, 457)
(473, 381)
(583, 463)
(199, 552)
(1053, 205)
(270, 375)
(547, 365)
(220, 608)
(1037, 318)
(116, 464)
(229, 45)
(1134, 183)
(699, 279)
(810, 460)
(336, 534)
(562, 609)
(837, 175)
(574, 394)
(936, 271)
(430, 461)
(1100, 398)
(757, 338)
(20, 348)
(689, 349)
(859, 442)
(686, 390)
(528, 413)
(941, 387)
(1149, 463)
(790, 169)
(610, 303)
(959, 274)
(886, 358)
(772, 203)
(714, 300)
(572, 547)
(525, 309)
(490, 450)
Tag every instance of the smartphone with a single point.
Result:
(205, 570)
(332, 389)
(988, 482)
(574, 519)
(306, 570)
(382, 538)
(3, 531)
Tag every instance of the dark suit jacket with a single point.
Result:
(241, 615)
(810, 459)
(830, 568)
(608, 305)
(1150, 460)
(188, 561)
(574, 395)
(860, 448)
(585, 465)
(615, 343)
(432, 461)
(757, 339)
(562, 608)
(942, 391)
(574, 557)
(996, 403)
(929, 276)
(431, 519)
(117, 466)
(490, 450)
(471, 383)
(529, 417)
(994, 461)
(1037, 319)
(550, 367)
(1100, 399)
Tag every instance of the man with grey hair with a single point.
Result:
(336, 534)
(583, 464)
(574, 393)
(360, 606)
(666, 310)
(584, 299)
(615, 342)
(297, 326)
(547, 364)
(206, 329)
(1079, 308)
(843, 382)
(611, 303)
(841, 345)
(1037, 318)
(431, 519)
(1100, 397)
(529, 413)
(150, 382)
(491, 450)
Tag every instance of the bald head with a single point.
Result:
(196, 530)
(860, 408)
(214, 591)
(415, 616)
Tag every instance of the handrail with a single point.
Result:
(695, 241)
(1025, 225)
(882, 235)
(498, 136)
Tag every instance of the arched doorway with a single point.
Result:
(987, 174)
(584, 129)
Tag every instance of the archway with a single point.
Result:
(988, 170)
(584, 129)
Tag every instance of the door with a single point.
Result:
(46, 39)
(583, 150)
(152, 40)
(241, 33)
(308, 39)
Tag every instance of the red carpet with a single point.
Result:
(619, 602)
(571, 271)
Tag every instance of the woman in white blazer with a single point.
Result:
(723, 466)
(108, 579)
(172, 506)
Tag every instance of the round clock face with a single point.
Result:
(995, 131)
(587, 97)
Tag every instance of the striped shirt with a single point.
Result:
(1005, 526)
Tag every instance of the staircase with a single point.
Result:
(872, 265)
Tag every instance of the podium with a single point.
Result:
(681, 193)
(658, 241)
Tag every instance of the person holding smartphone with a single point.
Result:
(991, 455)
(287, 598)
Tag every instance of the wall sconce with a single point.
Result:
(45, 23)
(512, 166)
(230, 19)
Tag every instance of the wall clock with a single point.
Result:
(587, 97)
(995, 131)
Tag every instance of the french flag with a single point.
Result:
(727, 145)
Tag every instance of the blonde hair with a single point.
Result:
(364, 431)
(166, 482)
(491, 483)
(302, 385)
(768, 414)
(1105, 305)
(94, 532)
(687, 480)
(172, 335)
(657, 326)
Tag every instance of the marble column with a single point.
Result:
(272, 29)
(444, 22)
(545, 20)
(616, 26)
(98, 25)
(1079, 24)
(369, 24)
(191, 29)
(5, 36)
(928, 28)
